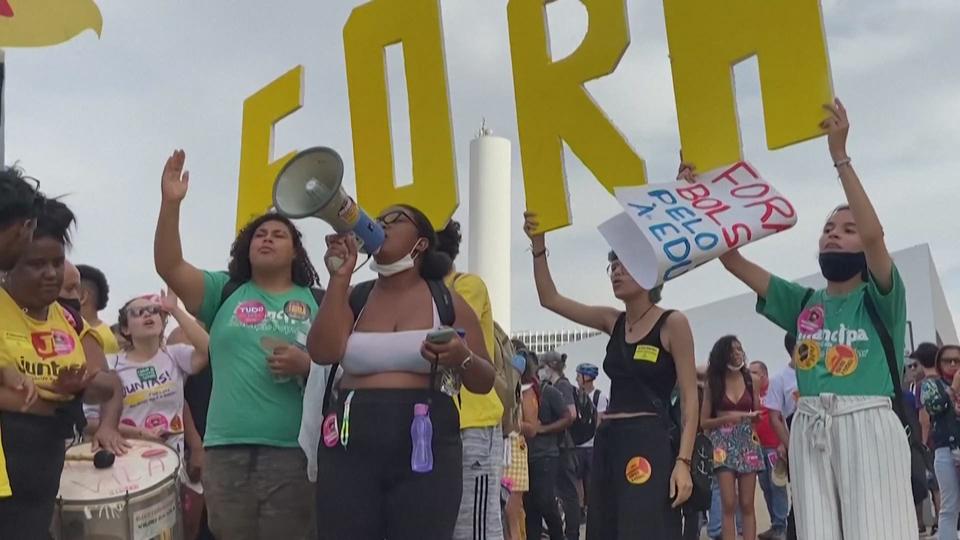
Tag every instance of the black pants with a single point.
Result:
(567, 479)
(630, 484)
(540, 502)
(584, 462)
(34, 448)
(368, 491)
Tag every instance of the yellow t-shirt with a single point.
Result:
(40, 349)
(4, 480)
(104, 335)
(477, 410)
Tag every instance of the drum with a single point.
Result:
(138, 498)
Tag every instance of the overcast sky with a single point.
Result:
(96, 118)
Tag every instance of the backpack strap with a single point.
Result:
(806, 298)
(227, 291)
(887, 342)
(596, 398)
(442, 298)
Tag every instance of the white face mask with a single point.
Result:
(388, 269)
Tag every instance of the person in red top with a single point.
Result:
(778, 505)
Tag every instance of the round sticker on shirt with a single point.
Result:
(810, 320)
(638, 470)
(842, 360)
(251, 313)
(808, 353)
(297, 310)
(156, 421)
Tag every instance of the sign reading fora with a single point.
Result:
(705, 37)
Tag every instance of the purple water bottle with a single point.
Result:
(421, 433)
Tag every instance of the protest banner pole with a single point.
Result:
(3, 71)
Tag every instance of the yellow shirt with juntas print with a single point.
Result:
(476, 410)
(40, 349)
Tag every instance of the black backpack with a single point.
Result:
(585, 425)
(358, 298)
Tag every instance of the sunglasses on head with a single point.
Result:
(143, 310)
(392, 217)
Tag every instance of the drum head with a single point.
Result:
(145, 465)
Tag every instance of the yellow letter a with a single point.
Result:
(553, 106)
(707, 37)
(415, 23)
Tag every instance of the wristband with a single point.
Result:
(541, 253)
(842, 162)
(685, 461)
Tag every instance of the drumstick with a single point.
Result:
(103, 459)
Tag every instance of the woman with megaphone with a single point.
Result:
(258, 313)
(390, 460)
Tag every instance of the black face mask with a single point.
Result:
(840, 266)
(71, 303)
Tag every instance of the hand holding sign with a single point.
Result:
(667, 230)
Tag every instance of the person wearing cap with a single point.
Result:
(774, 493)
(586, 374)
(552, 371)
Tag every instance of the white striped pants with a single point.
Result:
(850, 470)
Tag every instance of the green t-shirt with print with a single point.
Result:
(838, 349)
(247, 406)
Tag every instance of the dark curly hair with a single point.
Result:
(19, 198)
(95, 277)
(434, 264)
(54, 221)
(717, 370)
(449, 238)
(302, 272)
(928, 354)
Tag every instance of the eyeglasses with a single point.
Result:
(144, 311)
(951, 361)
(392, 217)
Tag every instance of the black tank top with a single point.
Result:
(628, 363)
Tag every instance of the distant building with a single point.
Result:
(540, 342)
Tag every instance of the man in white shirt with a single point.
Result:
(586, 374)
(781, 402)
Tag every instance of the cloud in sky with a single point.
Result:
(96, 119)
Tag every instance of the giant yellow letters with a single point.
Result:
(553, 106)
(370, 28)
(261, 111)
(707, 37)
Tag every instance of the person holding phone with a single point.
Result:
(730, 407)
(388, 338)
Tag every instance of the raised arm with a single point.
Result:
(601, 318)
(879, 261)
(181, 276)
(192, 330)
(327, 340)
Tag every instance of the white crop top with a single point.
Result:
(368, 353)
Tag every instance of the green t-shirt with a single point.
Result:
(247, 406)
(838, 348)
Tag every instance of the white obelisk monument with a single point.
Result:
(490, 223)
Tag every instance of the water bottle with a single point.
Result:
(421, 433)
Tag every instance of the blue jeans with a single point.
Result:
(947, 477)
(778, 505)
(715, 518)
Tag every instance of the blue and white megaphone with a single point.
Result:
(309, 186)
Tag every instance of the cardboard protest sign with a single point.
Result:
(666, 230)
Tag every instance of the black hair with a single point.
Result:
(717, 370)
(790, 343)
(927, 354)
(434, 264)
(19, 199)
(655, 294)
(54, 221)
(96, 278)
(449, 238)
(302, 272)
